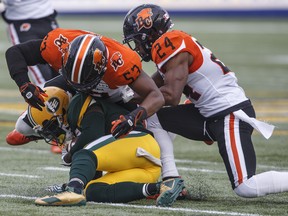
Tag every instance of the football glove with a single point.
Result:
(66, 158)
(122, 126)
(33, 95)
(66, 154)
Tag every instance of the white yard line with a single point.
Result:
(178, 161)
(200, 170)
(17, 196)
(146, 207)
(177, 209)
(25, 150)
(65, 169)
(19, 175)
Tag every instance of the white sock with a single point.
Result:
(166, 147)
(262, 184)
(24, 128)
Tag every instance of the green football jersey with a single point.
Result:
(92, 118)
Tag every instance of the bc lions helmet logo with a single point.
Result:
(144, 19)
(98, 60)
(116, 60)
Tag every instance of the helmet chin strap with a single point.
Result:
(37, 128)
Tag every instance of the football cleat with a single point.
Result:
(187, 101)
(209, 142)
(153, 197)
(56, 188)
(184, 194)
(56, 149)
(66, 198)
(170, 189)
(16, 138)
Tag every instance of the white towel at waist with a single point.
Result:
(262, 127)
(143, 153)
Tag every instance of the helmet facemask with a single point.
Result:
(52, 131)
(142, 44)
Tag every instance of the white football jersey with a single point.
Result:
(27, 9)
(211, 86)
(103, 91)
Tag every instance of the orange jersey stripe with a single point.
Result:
(80, 58)
(234, 148)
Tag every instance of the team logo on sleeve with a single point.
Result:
(116, 60)
(62, 43)
(144, 19)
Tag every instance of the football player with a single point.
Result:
(220, 111)
(92, 64)
(50, 123)
(28, 20)
(23, 132)
(132, 164)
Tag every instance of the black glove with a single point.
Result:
(126, 123)
(33, 95)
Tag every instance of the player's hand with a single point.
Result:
(66, 152)
(33, 95)
(66, 157)
(122, 126)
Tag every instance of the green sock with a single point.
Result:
(116, 193)
(84, 163)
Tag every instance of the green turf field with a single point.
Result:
(257, 50)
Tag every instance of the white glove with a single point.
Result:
(66, 156)
(127, 94)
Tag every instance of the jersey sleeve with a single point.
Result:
(56, 43)
(123, 66)
(20, 56)
(172, 43)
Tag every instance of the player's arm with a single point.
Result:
(152, 101)
(18, 57)
(158, 79)
(91, 129)
(145, 87)
(176, 76)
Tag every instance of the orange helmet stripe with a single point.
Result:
(80, 58)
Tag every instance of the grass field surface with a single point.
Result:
(255, 49)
